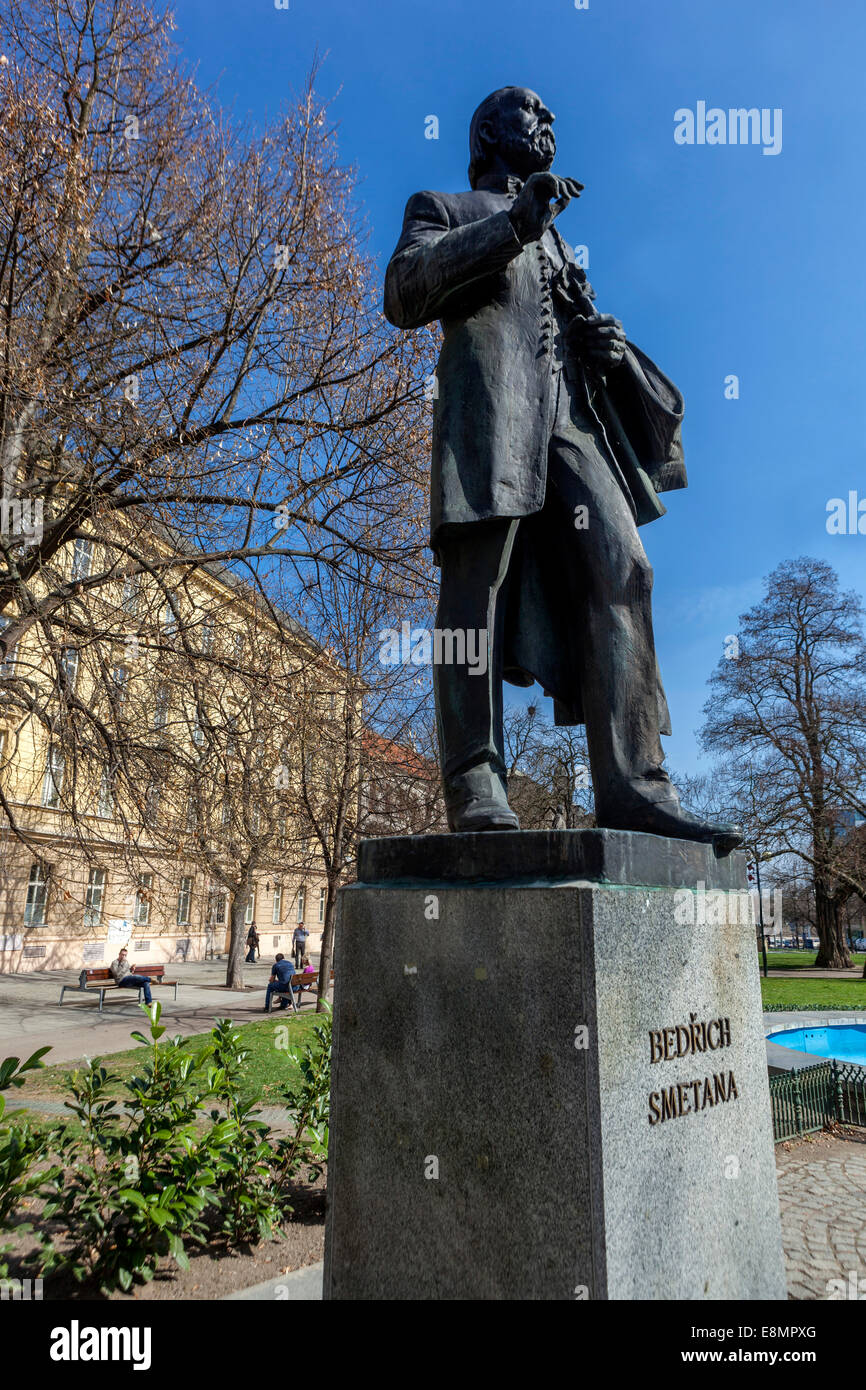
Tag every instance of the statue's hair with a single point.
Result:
(478, 153)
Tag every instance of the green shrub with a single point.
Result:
(138, 1174)
(22, 1150)
(241, 1151)
(165, 1158)
(311, 1102)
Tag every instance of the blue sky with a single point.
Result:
(719, 259)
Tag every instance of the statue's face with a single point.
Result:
(523, 132)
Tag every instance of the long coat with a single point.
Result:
(458, 260)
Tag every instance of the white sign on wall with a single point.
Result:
(93, 953)
(11, 943)
(119, 929)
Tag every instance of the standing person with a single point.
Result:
(126, 977)
(299, 943)
(253, 943)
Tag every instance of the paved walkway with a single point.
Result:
(303, 1285)
(31, 1015)
(806, 972)
(822, 1197)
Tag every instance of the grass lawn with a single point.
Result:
(837, 993)
(269, 1066)
(797, 960)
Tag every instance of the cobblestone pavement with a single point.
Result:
(822, 1196)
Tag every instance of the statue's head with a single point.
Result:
(511, 129)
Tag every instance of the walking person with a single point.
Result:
(126, 978)
(253, 943)
(299, 944)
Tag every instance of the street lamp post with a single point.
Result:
(761, 910)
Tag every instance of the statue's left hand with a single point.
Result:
(598, 341)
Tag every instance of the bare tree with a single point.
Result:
(190, 330)
(194, 372)
(788, 712)
(376, 703)
(548, 771)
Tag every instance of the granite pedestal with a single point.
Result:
(549, 1074)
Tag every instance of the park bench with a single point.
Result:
(101, 981)
(309, 984)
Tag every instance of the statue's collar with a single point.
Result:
(499, 183)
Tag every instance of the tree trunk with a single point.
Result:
(327, 957)
(833, 948)
(235, 967)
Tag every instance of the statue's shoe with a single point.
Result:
(482, 813)
(668, 818)
(477, 800)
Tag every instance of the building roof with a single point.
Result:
(398, 757)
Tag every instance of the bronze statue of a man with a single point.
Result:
(553, 436)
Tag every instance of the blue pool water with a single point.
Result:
(846, 1042)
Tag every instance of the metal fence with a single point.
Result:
(807, 1100)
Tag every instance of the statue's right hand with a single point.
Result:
(540, 200)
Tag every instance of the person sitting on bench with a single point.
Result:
(126, 977)
(280, 981)
(307, 970)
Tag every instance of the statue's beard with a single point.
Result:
(529, 154)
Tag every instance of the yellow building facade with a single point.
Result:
(150, 744)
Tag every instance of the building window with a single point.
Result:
(7, 662)
(184, 899)
(321, 904)
(69, 666)
(118, 682)
(250, 913)
(94, 897)
(232, 737)
(216, 906)
(197, 734)
(82, 558)
(142, 900)
(226, 812)
(239, 646)
(302, 897)
(131, 594)
(151, 804)
(52, 783)
(169, 619)
(191, 814)
(37, 897)
(207, 637)
(160, 708)
(105, 801)
(277, 905)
